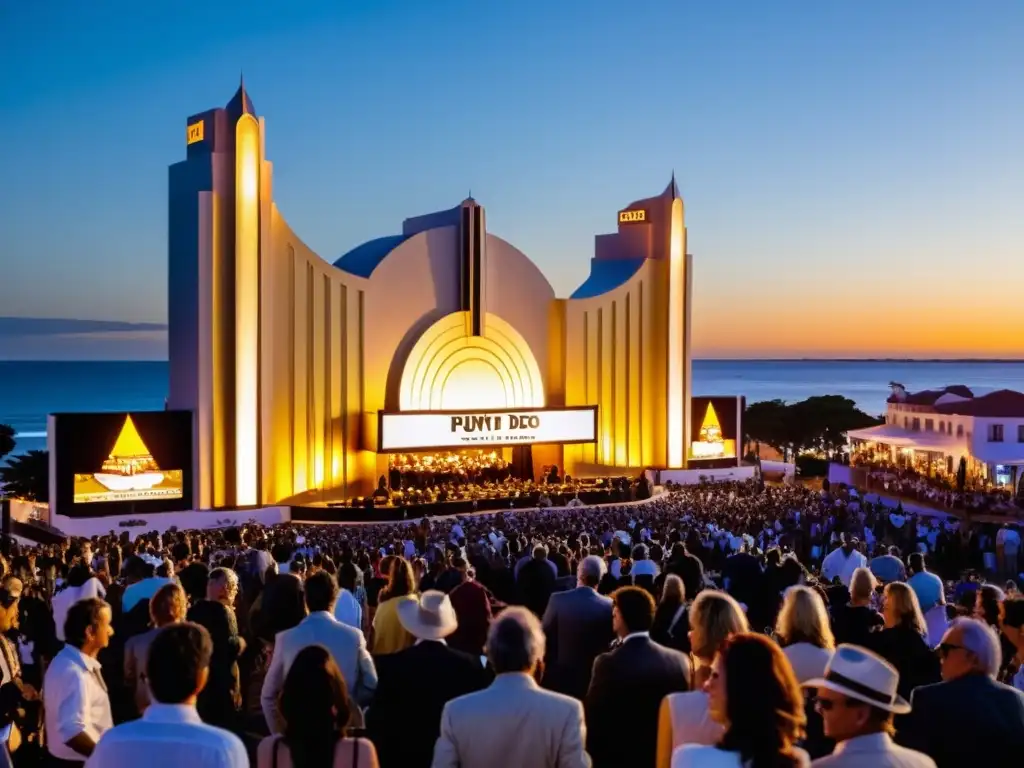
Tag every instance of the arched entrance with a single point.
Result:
(449, 370)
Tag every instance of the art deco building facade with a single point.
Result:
(289, 361)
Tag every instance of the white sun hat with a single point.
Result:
(862, 675)
(432, 617)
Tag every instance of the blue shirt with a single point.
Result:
(168, 736)
(928, 588)
(887, 568)
(142, 590)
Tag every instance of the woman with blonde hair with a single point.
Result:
(855, 622)
(670, 624)
(804, 632)
(902, 643)
(389, 636)
(684, 717)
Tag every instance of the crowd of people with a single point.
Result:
(451, 468)
(940, 490)
(716, 625)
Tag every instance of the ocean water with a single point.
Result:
(31, 390)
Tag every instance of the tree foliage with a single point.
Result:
(27, 476)
(817, 424)
(6, 439)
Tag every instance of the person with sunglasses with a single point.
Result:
(857, 699)
(968, 719)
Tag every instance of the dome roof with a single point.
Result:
(363, 259)
(606, 275)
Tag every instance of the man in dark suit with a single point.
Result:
(968, 719)
(628, 685)
(536, 581)
(413, 685)
(578, 627)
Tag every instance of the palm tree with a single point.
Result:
(27, 476)
(6, 439)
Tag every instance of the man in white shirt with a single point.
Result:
(170, 733)
(74, 695)
(81, 586)
(842, 562)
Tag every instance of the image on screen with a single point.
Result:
(121, 463)
(715, 431)
(129, 473)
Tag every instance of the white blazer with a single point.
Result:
(347, 647)
(876, 750)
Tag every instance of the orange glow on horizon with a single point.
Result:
(857, 322)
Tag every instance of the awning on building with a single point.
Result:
(890, 434)
(1008, 454)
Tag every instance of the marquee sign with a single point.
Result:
(429, 430)
(633, 217)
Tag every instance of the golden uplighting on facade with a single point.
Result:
(449, 370)
(301, 362)
(676, 330)
(247, 289)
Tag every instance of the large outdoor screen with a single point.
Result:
(114, 463)
(716, 429)
(430, 430)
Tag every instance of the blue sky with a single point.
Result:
(852, 171)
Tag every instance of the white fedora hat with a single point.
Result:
(865, 676)
(432, 617)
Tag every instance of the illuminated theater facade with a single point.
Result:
(305, 375)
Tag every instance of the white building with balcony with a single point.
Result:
(932, 430)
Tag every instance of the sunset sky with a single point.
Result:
(853, 172)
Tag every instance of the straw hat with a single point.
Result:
(864, 676)
(432, 617)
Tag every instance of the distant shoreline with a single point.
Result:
(944, 360)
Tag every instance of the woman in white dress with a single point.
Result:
(760, 731)
(804, 632)
(684, 717)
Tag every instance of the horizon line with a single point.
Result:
(846, 359)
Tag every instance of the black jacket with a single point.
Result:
(626, 690)
(909, 653)
(966, 723)
(413, 686)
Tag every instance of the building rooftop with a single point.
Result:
(930, 396)
(1001, 403)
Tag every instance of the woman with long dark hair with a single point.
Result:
(760, 730)
(317, 712)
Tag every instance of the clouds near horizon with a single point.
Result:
(36, 338)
